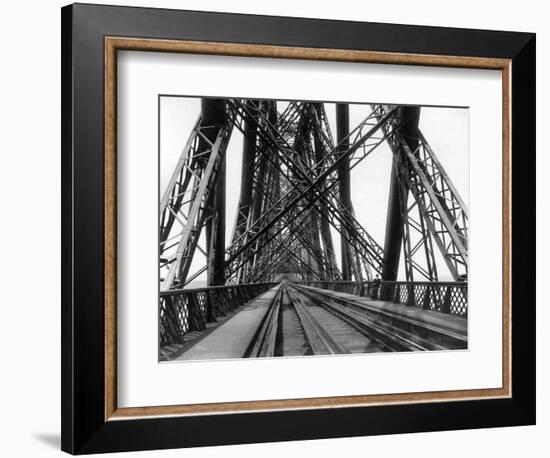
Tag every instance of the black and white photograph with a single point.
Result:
(292, 228)
(275, 229)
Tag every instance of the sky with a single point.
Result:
(446, 129)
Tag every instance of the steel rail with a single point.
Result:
(386, 324)
(265, 339)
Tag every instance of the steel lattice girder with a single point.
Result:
(272, 195)
(193, 176)
(315, 251)
(359, 141)
(440, 207)
(264, 176)
(295, 185)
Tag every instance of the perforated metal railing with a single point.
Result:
(444, 297)
(186, 310)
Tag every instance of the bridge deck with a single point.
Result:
(429, 317)
(241, 332)
(232, 338)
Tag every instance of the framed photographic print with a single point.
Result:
(284, 228)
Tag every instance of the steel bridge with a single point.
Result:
(280, 286)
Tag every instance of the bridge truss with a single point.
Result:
(295, 193)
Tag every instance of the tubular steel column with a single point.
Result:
(394, 219)
(214, 115)
(249, 155)
(394, 228)
(342, 132)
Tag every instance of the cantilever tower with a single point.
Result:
(295, 191)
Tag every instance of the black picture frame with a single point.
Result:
(84, 428)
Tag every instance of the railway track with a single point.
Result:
(395, 331)
(302, 321)
(295, 325)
